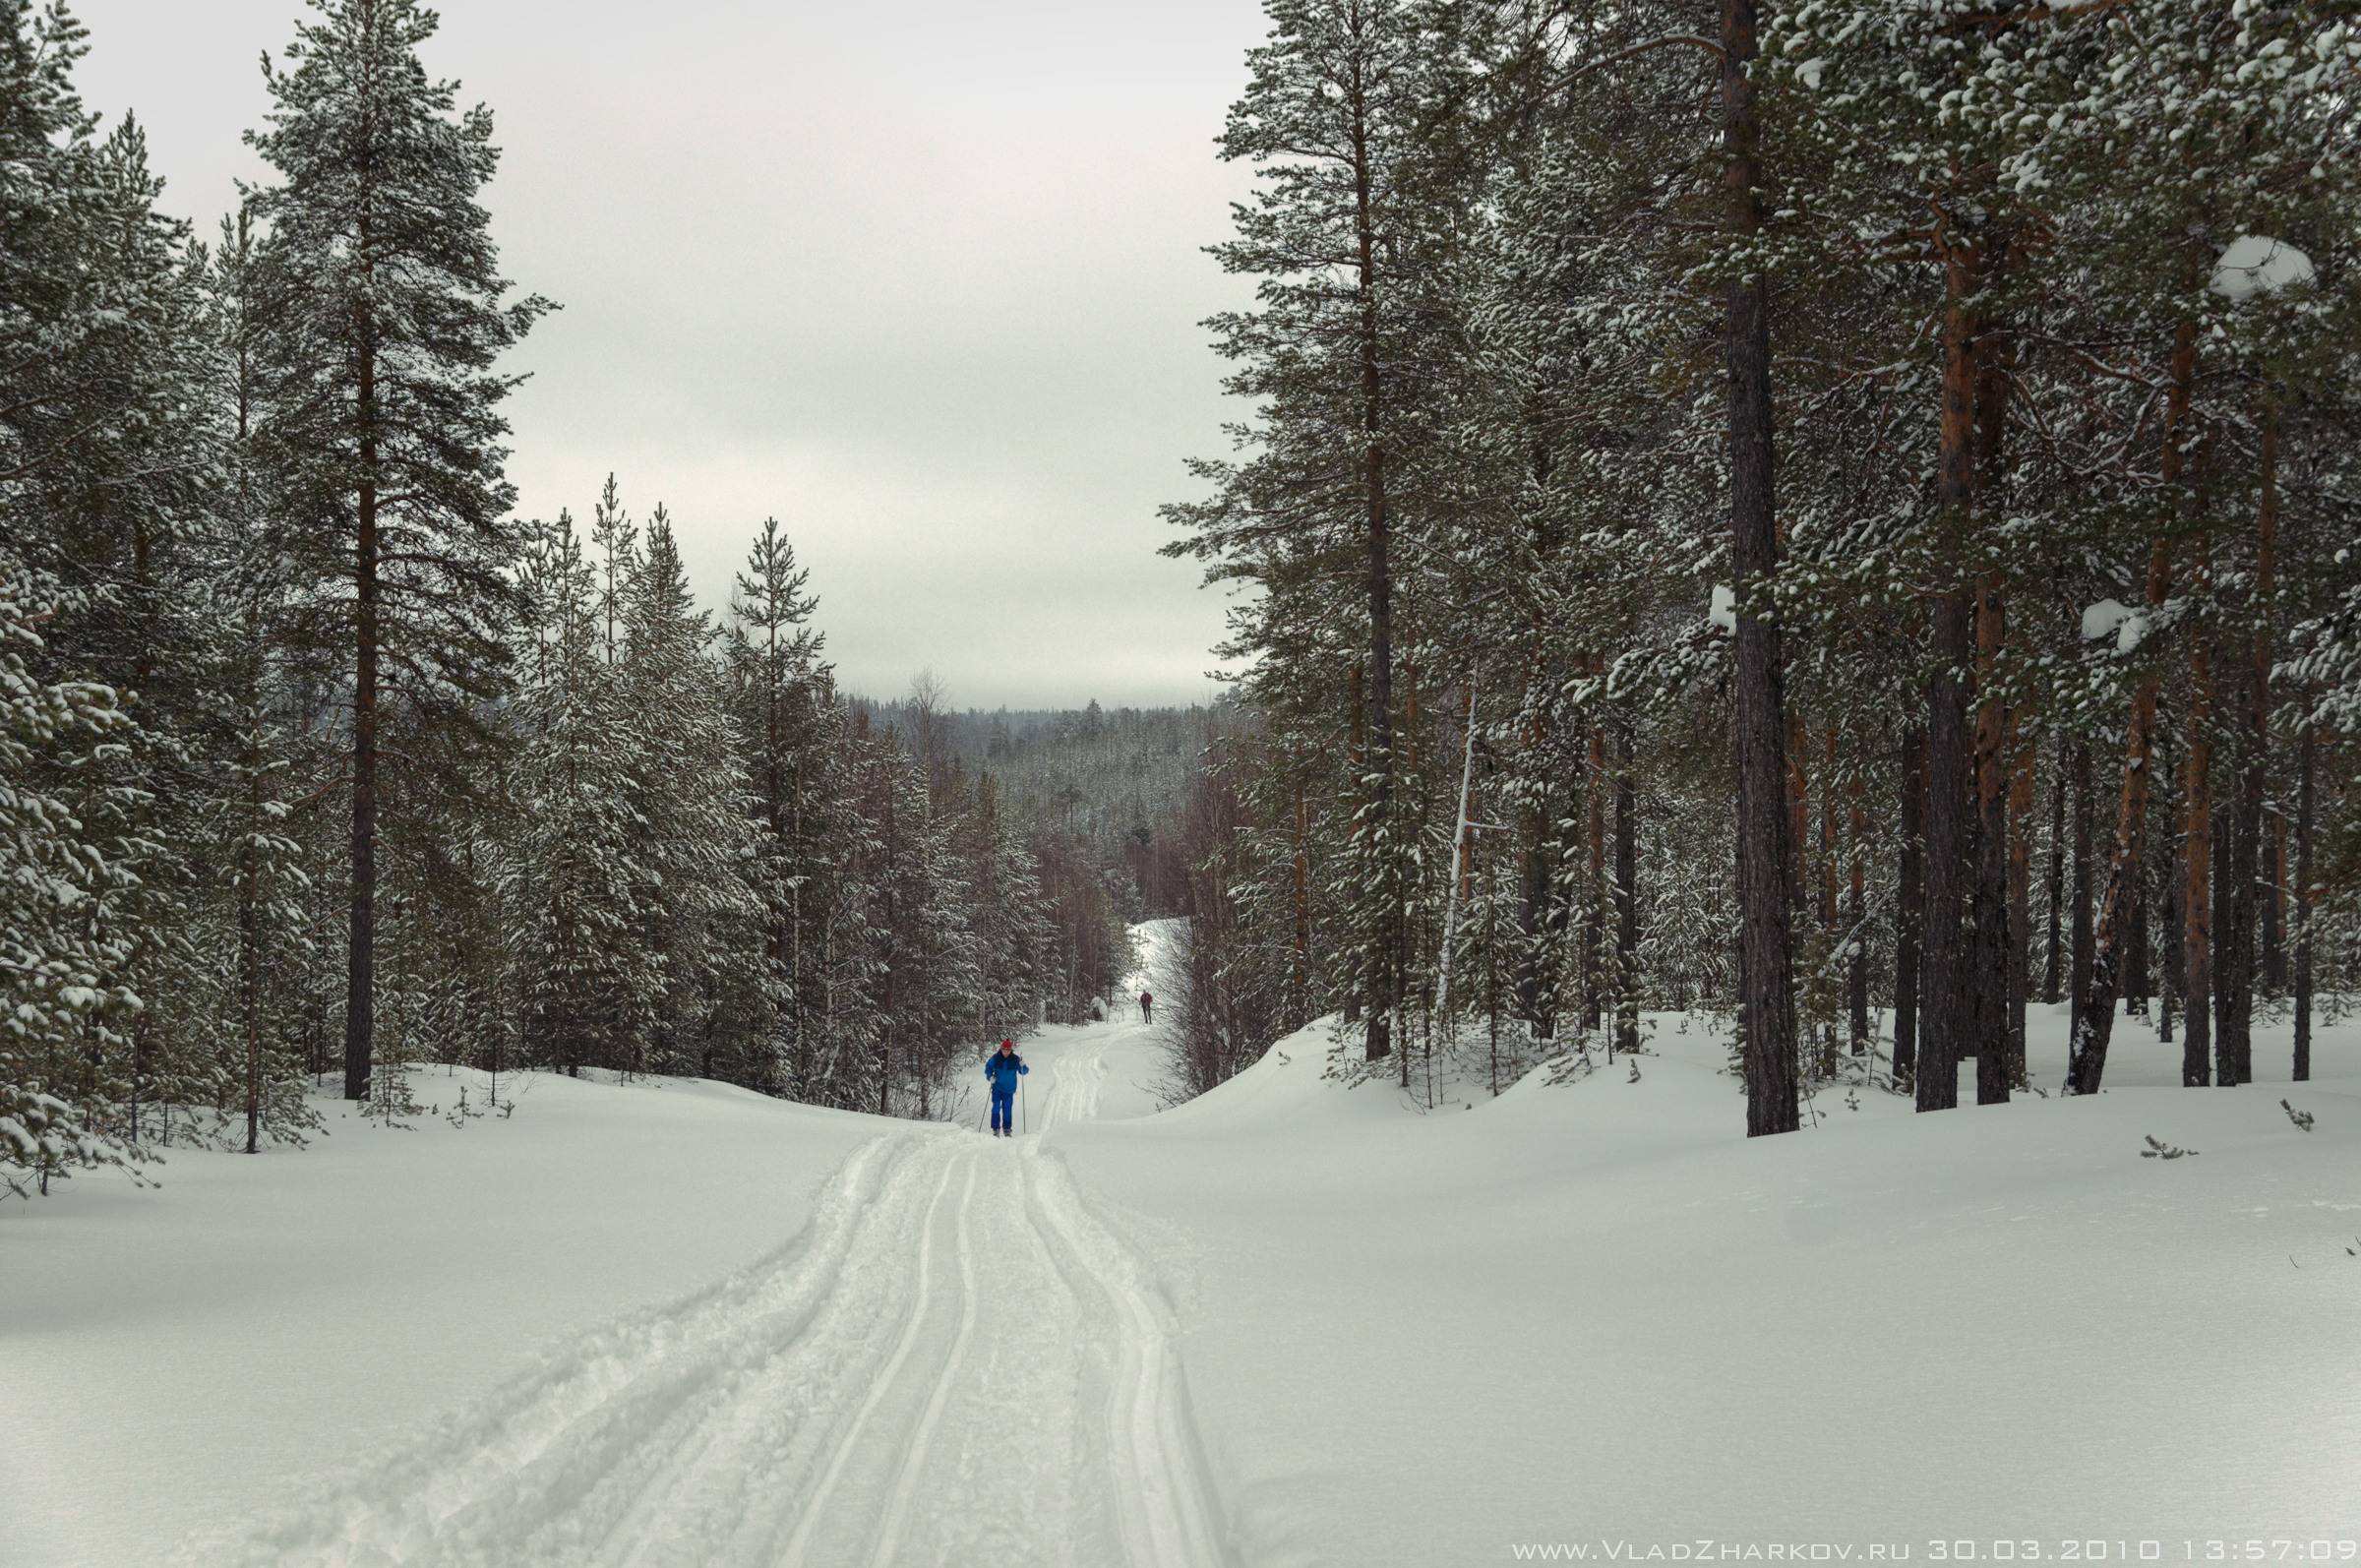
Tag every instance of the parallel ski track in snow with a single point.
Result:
(956, 1364)
(1076, 1081)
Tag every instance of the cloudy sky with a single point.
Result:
(922, 281)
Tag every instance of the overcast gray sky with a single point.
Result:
(922, 281)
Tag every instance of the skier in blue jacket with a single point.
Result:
(1001, 1069)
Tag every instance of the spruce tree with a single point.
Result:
(695, 839)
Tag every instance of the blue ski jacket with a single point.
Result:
(1003, 1071)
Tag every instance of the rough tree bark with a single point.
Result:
(1951, 969)
(1769, 1005)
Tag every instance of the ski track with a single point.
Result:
(1076, 1080)
(956, 1364)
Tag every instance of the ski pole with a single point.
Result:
(1024, 1115)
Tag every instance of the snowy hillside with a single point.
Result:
(1596, 1313)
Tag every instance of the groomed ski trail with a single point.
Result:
(1076, 1079)
(957, 1363)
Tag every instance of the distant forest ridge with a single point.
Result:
(1113, 779)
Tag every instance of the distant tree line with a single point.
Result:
(1112, 781)
(1835, 511)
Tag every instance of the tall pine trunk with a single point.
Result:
(2139, 970)
(2197, 861)
(1910, 904)
(2021, 896)
(360, 979)
(1828, 828)
(1384, 898)
(1627, 886)
(1999, 926)
(2306, 795)
(1799, 808)
(249, 947)
(2061, 785)
(2078, 980)
(2169, 877)
(2235, 1010)
(1593, 920)
(1951, 967)
(1856, 922)
(2273, 893)
(1766, 966)
(1994, 984)
(2094, 1024)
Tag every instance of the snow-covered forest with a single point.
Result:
(320, 761)
(1788, 563)
(1845, 516)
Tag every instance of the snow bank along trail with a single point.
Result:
(955, 1365)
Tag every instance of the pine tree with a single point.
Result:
(1335, 117)
(380, 315)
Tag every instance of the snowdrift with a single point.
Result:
(1594, 1312)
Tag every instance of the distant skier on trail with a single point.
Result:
(1147, 1008)
(1001, 1069)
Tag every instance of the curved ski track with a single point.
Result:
(956, 1364)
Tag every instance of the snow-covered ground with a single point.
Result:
(1596, 1313)
(176, 1358)
(1287, 1323)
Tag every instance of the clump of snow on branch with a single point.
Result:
(2254, 264)
(2104, 619)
